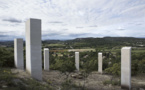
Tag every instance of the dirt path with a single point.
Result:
(93, 82)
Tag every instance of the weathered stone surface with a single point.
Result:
(100, 63)
(18, 53)
(46, 59)
(77, 60)
(33, 48)
(126, 68)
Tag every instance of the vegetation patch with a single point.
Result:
(113, 82)
(9, 81)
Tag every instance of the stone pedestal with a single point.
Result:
(18, 53)
(77, 60)
(100, 63)
(126, 68)
(46, 59)
(33, 48)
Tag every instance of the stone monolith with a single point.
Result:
(100, 63)
(46, 59)
(126, 68)
(77, 60)
(18, 53)
(33, 48)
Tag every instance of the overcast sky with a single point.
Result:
(68, 19)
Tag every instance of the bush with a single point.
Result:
(6, 57)
(134, 67)
(90, 65)
(115, 69)
(141, 66)
(64, 65)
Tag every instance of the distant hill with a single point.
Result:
(92, 42)
(107, 41)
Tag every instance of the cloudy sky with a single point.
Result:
(68, 19)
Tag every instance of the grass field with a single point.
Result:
(138, 50)
(56, 45)
(81, 50)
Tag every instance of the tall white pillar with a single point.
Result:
(77, 60)
(18, 53)
(33, 48)
(46, 59)
(100, 63)
(126, 68)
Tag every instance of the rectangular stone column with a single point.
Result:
(46, 59)
(126, 68)
(77, 60)
(100, 63)
(18, 53)
(33, 48)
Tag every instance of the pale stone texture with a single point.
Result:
(18, 53)
(33, 48)
(46, 59)
(126, 67)
(77, 60)
(100, 63)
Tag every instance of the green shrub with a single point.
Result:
(134, 67)
(90, 65)
(7, 78)
(6, 57)
(115, 69)
(64, 65)
(141, 66)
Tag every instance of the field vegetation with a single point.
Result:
(62, 57)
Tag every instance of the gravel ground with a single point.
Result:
(93, 82)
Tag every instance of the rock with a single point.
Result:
(73, 76)
(80, 74)
(141, 89)
(4, 86)
(80, 77)
(16, 81)
(110, 85)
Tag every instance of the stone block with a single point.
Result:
(18, 53)
(100, 63)
(126, 68)
(33, 48)
(46, 59)
(77, 60)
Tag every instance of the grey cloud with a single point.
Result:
(121, 29)
(46, 34)
(9, 37)
(51, 34)
(3, 35)
(12, 20)
(138, 24)
(108, 31)
(76, 35)
(2, 32)
(57, 22)
(85, 35)
(65, 29)
(131, 23)
(93, 26)
(64, 24)
(79, 27)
